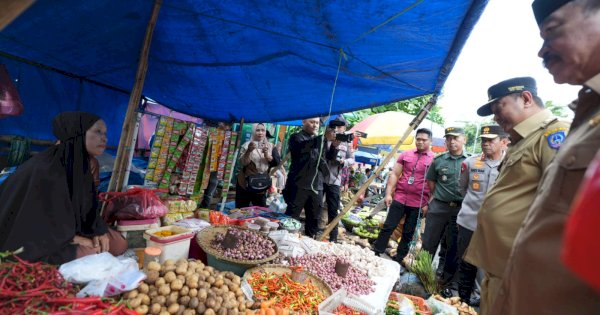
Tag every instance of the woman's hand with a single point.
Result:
(251, 147)
(85, 242)
(102, 242)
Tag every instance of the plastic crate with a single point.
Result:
(343, 297)
(173, 247)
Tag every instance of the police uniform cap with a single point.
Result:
(506, 87)
(492, 131)
(543, 8)
(454, 131)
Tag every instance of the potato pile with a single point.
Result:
(186, 288)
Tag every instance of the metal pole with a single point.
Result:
(475, 140)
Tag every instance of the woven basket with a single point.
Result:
(205, 236)
(282, 269)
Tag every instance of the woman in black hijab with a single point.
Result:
(49, 205)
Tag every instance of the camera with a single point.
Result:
(345, 136)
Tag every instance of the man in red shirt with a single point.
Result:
(406, 193)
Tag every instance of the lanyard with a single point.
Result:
(412, 174)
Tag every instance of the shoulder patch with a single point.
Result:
(555, 137)
(463, 167)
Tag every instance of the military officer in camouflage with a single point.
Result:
(442, 177)
(536, 136)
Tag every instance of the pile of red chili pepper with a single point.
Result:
(346, 310)
(38, 288)
(288, 294)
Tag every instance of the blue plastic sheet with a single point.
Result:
(264, 61)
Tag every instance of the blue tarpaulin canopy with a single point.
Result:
(259, 60)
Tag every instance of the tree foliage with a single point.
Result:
(410, 106)
(472, 129)
(558, 110)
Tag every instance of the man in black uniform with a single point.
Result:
(308, 168)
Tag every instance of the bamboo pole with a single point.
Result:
(280, 165)
(412, 126)
(136, 128)
(11, 9)
(125, 142)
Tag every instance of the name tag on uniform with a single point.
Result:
(411, 180)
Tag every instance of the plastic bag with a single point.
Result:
(134, 204)
(399, 305)
(10, 102)
(104, 274)
(439, 307)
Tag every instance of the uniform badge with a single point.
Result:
(476, 176)
(476, 186)
(463, 167)
(556, 137)
(444, 178)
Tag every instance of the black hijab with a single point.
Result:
(51, 197)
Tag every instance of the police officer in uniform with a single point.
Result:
(477, 175)
(536, 281)
(536, 136)
(442, 177)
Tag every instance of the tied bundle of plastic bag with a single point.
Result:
(105, 274)
(134, 204)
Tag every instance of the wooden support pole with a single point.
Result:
(412, 126)
(281, 164)
(125, 143)
(11, 9)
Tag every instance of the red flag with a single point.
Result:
(581, 238)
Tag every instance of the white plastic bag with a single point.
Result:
(441, 308)
(104, 274)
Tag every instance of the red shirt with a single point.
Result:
(414, 164)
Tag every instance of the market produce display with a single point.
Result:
(369, 228)
(188, 287)
(244, 244)
(462, 307)
(359, 257)
(351, 220)
(422, 266)
(279, 288)
(290, 224)
(347, 238)
(400, 304)
(38, 288)
(355, 281)
(346, 310)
